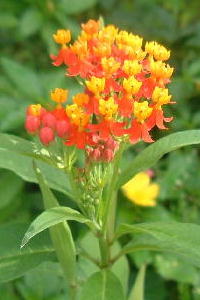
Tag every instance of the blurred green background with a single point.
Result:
(27, 76)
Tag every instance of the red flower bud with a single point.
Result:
(108, 155)
(62, 128)
(46, 135)
(32, 124)
(49, 120)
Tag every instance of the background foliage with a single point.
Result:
(27, 76)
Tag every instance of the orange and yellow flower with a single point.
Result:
(124, 90)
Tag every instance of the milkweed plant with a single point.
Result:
(85, 136)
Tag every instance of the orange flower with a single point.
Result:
(124, 88)
(81, 99)
(91, 27)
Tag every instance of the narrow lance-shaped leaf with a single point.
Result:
(179, 238)
(16, 154)
(60, 234)
(150, 155)
(25, 79)
(15, 262)
(52, 217)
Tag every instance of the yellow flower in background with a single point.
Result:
(141, 191)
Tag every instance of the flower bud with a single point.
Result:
(62, 128)
(49, 120)
(108, 155)
(46, 135)
(32, 124)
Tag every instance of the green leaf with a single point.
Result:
(15, 262)
(61, 236)
(150, 155)
(7, 20)
(43, 282)
(179, 238)
(86, 268)
(23, 78)
(172, 267)
(30, 22)
(13, 120)
(102, 285)
(8, 194)
(75, 7)
(16, 154)
(137, 293)
(52, 217)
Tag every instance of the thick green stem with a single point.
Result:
(104, 251)
(109, 213)
(111, 197)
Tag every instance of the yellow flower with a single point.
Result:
(125, 38)
(142, 111)
(109, 65)
(59, 95)
(108, 108)
(62, 36)
(140, 191)
(77, 116)
(131, 67)
(160, 96)
(160, 70)
(131, 85)
(34, 109)
(95, 85)
(157, 50)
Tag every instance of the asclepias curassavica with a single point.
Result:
(82, 139)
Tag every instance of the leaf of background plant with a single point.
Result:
(150, 155)
(46, 32)
(24, 78)
(15, 262)
(179, 238)
(68, 22)
(55, 78)
(30, 22)
(51, 217)
(14, 120)
(8, 104)
(102, 285)
(137, 292)
(43, 282)
(76, 6)
(16, 154)
(7, 20)
(10, 186)
(172, 267)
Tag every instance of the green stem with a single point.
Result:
(104, 250)
(108, 226)
(111, 197)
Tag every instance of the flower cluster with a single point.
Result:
(124, 91)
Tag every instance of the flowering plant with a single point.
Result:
(123, 95)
